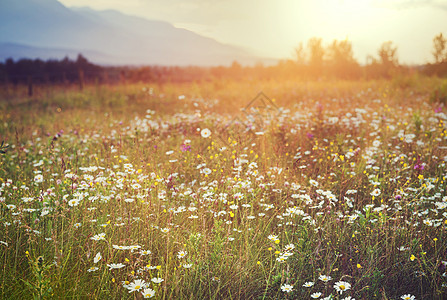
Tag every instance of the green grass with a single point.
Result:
(342, 179)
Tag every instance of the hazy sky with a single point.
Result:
(273, 28)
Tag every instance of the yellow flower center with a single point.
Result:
(137, 287)
(342, 287)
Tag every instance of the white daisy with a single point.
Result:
(97, 257)
(308, 284)
(182, 254)
(116, 266)
(206, 133)
(98, 237)
(287, 288)
(137, 285)
(342, 286)
(148, 293)
(325, 278)
(157, 280)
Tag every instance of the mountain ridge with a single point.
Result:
(120, 38)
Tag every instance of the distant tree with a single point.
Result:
(3, 74)
(300, 54)
(236, 68)
(10, 70)
(316, 55)
(386, 65)
(440, 47)
(372, 67)
(81, 61)
(87, 69)
(388, 55)
(341, 59)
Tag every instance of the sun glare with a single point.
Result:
(349, 17)
(329, 19)
(348, 13)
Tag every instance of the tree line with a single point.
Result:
(50, 71)
(312, 60)
(337, 60)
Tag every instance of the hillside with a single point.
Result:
(107, 37)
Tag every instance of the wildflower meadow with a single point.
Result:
(225, 190)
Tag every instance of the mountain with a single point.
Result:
(45, 28)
